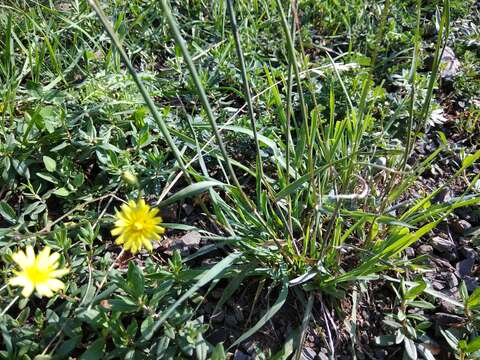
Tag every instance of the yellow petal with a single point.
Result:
(116, 231)
(53, 259)
(30, 255)
(59, 273)
(18, 281)
(148, 244)
(55, 284)
(43, 255)
(27, 290)
(44, 290)
(21, 259)
(133, 248)
(120, 240)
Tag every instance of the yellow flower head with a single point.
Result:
(137, 226)
(38, 273)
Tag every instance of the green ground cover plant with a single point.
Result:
(287, 148)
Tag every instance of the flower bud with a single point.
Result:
(130, 178)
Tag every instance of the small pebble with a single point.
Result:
(460, 226)
(464, 267)
(452, 280)
(425, 249)
(442, 245)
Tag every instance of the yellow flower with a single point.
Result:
(137, 226)
(38, 273)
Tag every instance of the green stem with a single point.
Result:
(200, 90)
(246, 86)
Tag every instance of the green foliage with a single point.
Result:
(409, 327)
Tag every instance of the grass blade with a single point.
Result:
(267, 316)
(190, 191)
(198, 84)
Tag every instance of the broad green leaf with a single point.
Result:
(201, 350)
(67, 347)
(425, 352)
(90, 316)
(94, 351)
(218, 352)
(473, 301)
(385, 340)
(7, 212)
(422, 304)
(147, 327)
(62, 192)
(470, 159)
(162, 346)
(451, 339)
(50, 164)
(123, 304)
(135, 279)
(413, 292)
(410, 348)
(48, 177)
(473, 345)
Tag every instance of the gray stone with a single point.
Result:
(437, 285)
(464, 267)
(443, 196)
(447, 306)
(460, 226)
(468, 252)
(410, 252)
(452, 280)
(449, 64)
(191, 239)
(442, 245)
(425, 249)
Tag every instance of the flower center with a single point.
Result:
(138, 225)
(36, 274)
